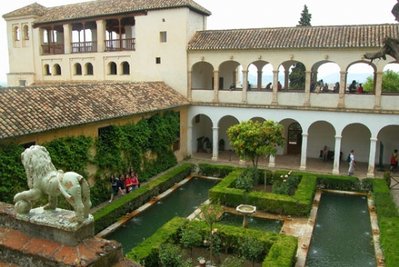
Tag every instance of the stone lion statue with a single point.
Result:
(44, 179)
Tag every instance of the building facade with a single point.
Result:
(227, 76)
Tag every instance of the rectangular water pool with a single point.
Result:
(181, 202)
(342, 235)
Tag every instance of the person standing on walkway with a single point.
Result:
(394, 160)
(352, 162)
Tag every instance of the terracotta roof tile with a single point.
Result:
(346, 36)
(44, 107)
(32, 9)
(100, 8)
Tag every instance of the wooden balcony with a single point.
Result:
(120, 44)
(52, 49)
(84, 47)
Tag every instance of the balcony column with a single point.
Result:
(286, 76)
(337, 154)
(275, 82)
(189, 85)
(342, 86)
(308, 80)
(100, 35)
(215, 143)
(216, 86)
(371, 168)
(67, 38)
(190, 139)
(378, 90)
(244, 85)
(259, 86)
(303, 151)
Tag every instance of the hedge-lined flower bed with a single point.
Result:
(129, 202)
(298, 204)
(278, 250)
(388, 222)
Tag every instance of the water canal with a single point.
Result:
(342, 235)
(181, 203)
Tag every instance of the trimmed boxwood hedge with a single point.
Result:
(388, 222)
(279, 250)
(214, 170)
(129, 202)
(299, 204)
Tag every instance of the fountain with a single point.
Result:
(245, 210)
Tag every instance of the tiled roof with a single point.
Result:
(32, 9)
(347, 36)
(39, 108)
(100, 8)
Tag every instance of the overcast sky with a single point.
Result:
(233, 14)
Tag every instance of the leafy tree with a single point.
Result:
(211, 214)
(251, 249)
(297, 76)
(306, 17)
(390, 82)
(170, 255)
(253, 139)
(190, 238)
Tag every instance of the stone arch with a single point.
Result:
(293, 136)
(112, 68)
(230, 75)
(224, 123)
(389, 74)
(89, 69)
(202, 76)
(259, 119)
(356, 136)
(286, 69)
(357, 73)
(387, 142)
(46, 70)
(25, 30)
(201, 133)
(56, 69)
(255, 74)
(125, 68)
(77, 69)
(321, 134)
(325, 77)
(17, 33)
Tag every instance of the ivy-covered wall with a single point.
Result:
(145, 146)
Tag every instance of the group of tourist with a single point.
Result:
(124, 184)
(355, 88)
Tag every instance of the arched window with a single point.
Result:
(77, 69)
(89, 69)
(26, 32)
(17, 33)
(125, 68)
(57, 69)
(46, 69)
(112, 70)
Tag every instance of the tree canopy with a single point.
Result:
(306, 17)
(390, 82)
(253, 139)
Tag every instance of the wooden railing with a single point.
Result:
(84, 47)
(52, 49)
(120, 44)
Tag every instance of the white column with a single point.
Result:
(215, 143)
(303, 151)
(189, 86)
(244, 86)
(337, 154)
(272, 161)
(215, 86)
(67, 38)
(378, 90)
(308, 75)
(342, 86)
(100, 35)
(371, 168)
(259, 85)
(275, 82)
(190, 140)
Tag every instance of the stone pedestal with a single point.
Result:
(48, 238)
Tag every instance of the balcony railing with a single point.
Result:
(84, 47)
(52, 48)
(120, 44)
